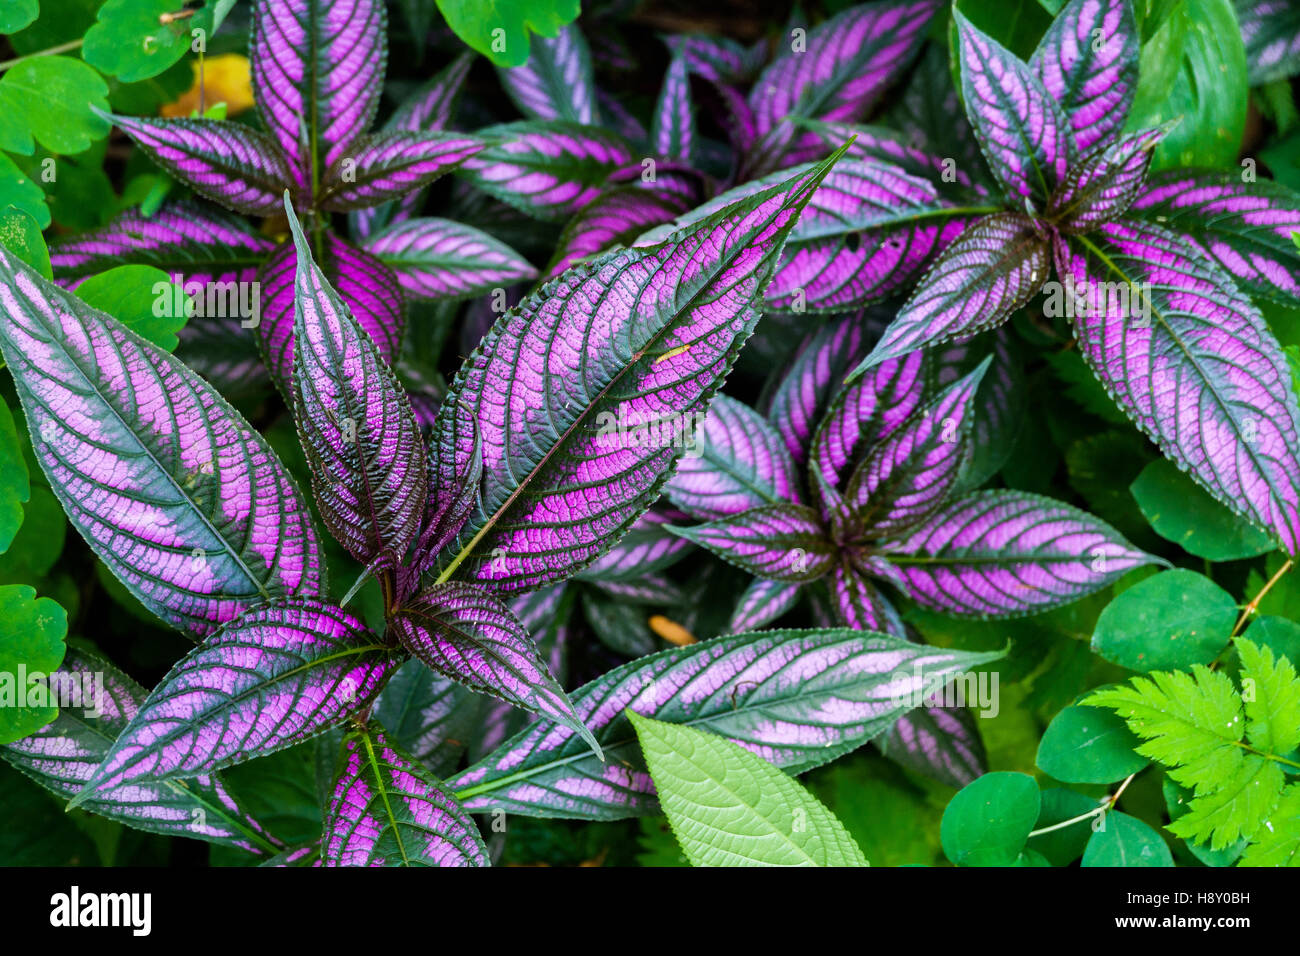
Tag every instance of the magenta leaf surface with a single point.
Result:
(358, 435)
(672, 131)
(387, 810)
(179, 497)
(1102, 185)
(853, 686)
(556, 83)
(782, 542)
(465, 633)
(442, 259)
(63, 755)
(279, 675)
(1191, 361)
(635, 342)
(1003, 553)
(762, 602)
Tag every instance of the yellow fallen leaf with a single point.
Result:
(670, 631)
(225, 80)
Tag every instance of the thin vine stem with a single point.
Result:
(51, 51)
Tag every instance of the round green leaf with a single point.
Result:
(32, 630)
(20, 234)
(1167, 622)
(15, 488)
(17, 190)
(1062, 847)
(729, 807)
(1280, 635)
(1088, 745)
(47, 99)
(499, 29)
(1122, 840)
(1182, 512)
(989, 820)
(140, 297)
(133, 39)
(16, 14)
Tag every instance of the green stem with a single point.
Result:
(52, 51)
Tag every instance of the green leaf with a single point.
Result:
(133, 39)
(1193, 68)
(1276, 633)
(1122, 840)
(499, 28)
(989, 820)
(886, 816)
(16, 14)
(1182, 512)
(1177, 801)
(1191, 723)
(1062, 847)
(20, 234)
(1270, 692)
(17, 190)
(1087, 745)
(1169, 621)
(39, 541)
(37, 832)
(729, 807)
(140, 297)
(15, 486)
(47, 99)
(32, 630)
(1277, 843)
(1237, 808)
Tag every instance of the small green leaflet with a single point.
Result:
(729, 807)
(1122, 840)
(1169, 621)
(989, 820)
(32, 630)
(499, 29)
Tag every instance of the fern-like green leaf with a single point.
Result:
(1191, 723)
(1272, 697)
(1238, 809)
(1277, 843)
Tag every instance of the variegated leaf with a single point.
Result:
(358, 435)
(465, 633)
(1004, 553)
(387, 810)
(1088, 62)
(277, 676)
(1101, 186)
(672, 132)
(386, 166)
(854, 686)
(736, 462)
(556, 83)
(442, 259)
(179, 497)
(781, 542)
(762, 602)
(1191, 361)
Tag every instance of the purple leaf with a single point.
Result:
(1246, 228)
(1002, 553)
(1192, 362)
(277, 676)
(850, 271)
(762, 603)
(317, 72)
(736, 462)
(865, 413)
(614, 218)
(817, 372)
(62, 756)
(387, 810)
(547, 170)
(999, 402)
(1102, 185)
(1270, 30)
(853, 686)
(881, 145)
(455, 475)
(848, 62)
(179, 497)
(368, 287)
(715, 58)
(619, 118)
(855, 602)
(653, 590)
(648, 547)
(203, 243)
(389, 165)
(358, 435)
(1088, 62)
(672, 132)
(224, 353)
(637, 338)
(441, 259)
(1023, 133)
(230, 164)
(990, 270)
(781, 542)
(466, 634)
(556, 83)
(431, 105)
(940, 742)
(910, 474)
